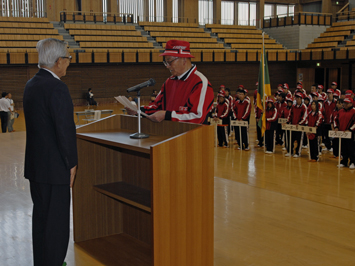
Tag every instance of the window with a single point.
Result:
(205, 12)
(252, 18)
(22, 8)
(175, 11)
(281, 10)
(268, 11)
(227, 13)
(243, 13)
(134, 7)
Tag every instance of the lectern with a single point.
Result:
(145, 201)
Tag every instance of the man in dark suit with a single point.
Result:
(51, 153)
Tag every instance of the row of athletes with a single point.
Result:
(325, 111)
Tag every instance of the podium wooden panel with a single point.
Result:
(145, 202)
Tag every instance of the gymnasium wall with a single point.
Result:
(112, 80)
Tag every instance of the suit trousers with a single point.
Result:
(50, 223)
(4, 119)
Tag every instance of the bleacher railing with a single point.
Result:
(345, 15)
(80, 16)
(300, 18)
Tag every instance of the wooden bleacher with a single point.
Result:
(22, 34)
(190, 32)
(243, 37)
(92, 36)
(333, 35)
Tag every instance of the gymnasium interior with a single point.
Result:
(267, 209)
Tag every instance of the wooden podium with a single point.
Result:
(145, 202)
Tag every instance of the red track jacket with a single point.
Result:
(298, 114)
(188, 99)
(241, 109)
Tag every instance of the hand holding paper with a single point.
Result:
(127, 104)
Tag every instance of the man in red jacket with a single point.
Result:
(241, 112)
(187, 95)
(345, 121)
(297, 116)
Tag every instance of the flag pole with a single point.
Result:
(263, 75)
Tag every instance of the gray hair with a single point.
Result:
(49, 50)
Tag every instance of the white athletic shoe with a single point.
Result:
(341, 165)
(352, 166)
(287, 155)
(270, 152)
(296, 156)
(322, 145)
(283, 148)
(324, 149)
(304, 147)
(331, 150)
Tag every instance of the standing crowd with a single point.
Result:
(323, 110)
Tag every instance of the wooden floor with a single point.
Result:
(269, 209)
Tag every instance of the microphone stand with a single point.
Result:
(139, 134)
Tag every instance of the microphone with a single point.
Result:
(147, 83)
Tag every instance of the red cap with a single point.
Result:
(349, 93)
(315, 94)
(320, 87)
(334, 83)
(286, 86)
(220, 94)
(288, 98)
(257, 84)
(330, 91)
(299, 86)
(222, 86)
(336, 94)
(269, 100)
(300, 83)
(299, 94)
(280, 85)
(321, 97)
(242, 89)
(177, 48)
(348, 100)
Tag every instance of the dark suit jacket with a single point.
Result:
(51, 135)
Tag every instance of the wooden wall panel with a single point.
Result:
(207, 57)
(341, 54)
(197, 56)
(17, 58)
(100, 57)
(328, 55)
(32, 58)
(219, 57)
(85, 57)
(316, 55)
(130, 57)
(351, 54)
(230, 57)
(115, 57)
(143, 57)
(156, 57)
(3, 58)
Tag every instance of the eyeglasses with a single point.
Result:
(68, 57)
(168, 63)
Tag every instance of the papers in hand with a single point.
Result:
(127, 104)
